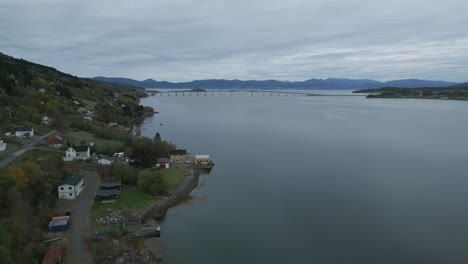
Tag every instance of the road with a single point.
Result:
(79, 218)
(21, 150)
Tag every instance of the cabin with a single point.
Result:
(3, 145)
(24, 132)
(177, 155)
(78, 152)
(59, 224)
(52, 256)
(111, 185)
(163, 163)
(107, 195)
(71, 187)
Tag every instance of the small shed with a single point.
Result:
(111, 185)
(106, 195)
(59, 224)
(52, 256)
(163, 163)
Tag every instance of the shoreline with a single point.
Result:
(182, 192)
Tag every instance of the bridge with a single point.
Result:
(233, 92)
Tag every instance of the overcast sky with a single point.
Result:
(180, 40)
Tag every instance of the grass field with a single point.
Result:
(130, 197)
(173, 176)
(102, 145)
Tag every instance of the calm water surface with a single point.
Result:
(319, 180)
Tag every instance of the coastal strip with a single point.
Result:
(182, 192)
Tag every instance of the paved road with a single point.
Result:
(23, 149)
(79, 219)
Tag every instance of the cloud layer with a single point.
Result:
(182, 40)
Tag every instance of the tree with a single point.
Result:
(33, 172)
(152, 182)
(21, 179)
(126, 173)
(157, 137)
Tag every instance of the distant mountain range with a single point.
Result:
(330, 83)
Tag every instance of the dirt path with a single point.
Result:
(79, 219)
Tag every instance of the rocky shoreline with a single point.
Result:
(117, 218)
(182, 192)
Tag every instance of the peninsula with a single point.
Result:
(455, 92)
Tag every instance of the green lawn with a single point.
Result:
(102, 145)
(130, 197)
(173, 176)
(89, 104)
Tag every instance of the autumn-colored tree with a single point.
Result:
(21, 179)
(33, 172)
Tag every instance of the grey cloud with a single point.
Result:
(189, 39)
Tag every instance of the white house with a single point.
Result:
(25, 132)
(3, 145)
(77, 152)
(70, 187)
(46, 120)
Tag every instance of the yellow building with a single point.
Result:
(200, 159)
(178, 155)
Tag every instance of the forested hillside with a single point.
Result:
(28, 186)
(29, 91)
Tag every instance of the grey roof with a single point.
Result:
(104, 193)
(110, 184)
(73, 179)
(165, 160)
(80, 148)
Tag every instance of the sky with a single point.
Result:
(183, 40)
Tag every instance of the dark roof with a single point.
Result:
(105, 193)
(163, 160)
(179, 152)
(24, 129)
(110, 184)
(80, 148)
(73, 179)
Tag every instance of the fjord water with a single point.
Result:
(319, 179)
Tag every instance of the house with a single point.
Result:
(70, 187)
(163, 163)
(59, 224)
(56, 141)
(78, 152)
(82, 110)
(177, 155)
(46, 120)
(105, 160)
(25, 132)
(52, 256)
(3, 145)
(200, 159)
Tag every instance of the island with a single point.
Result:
(455, 92)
